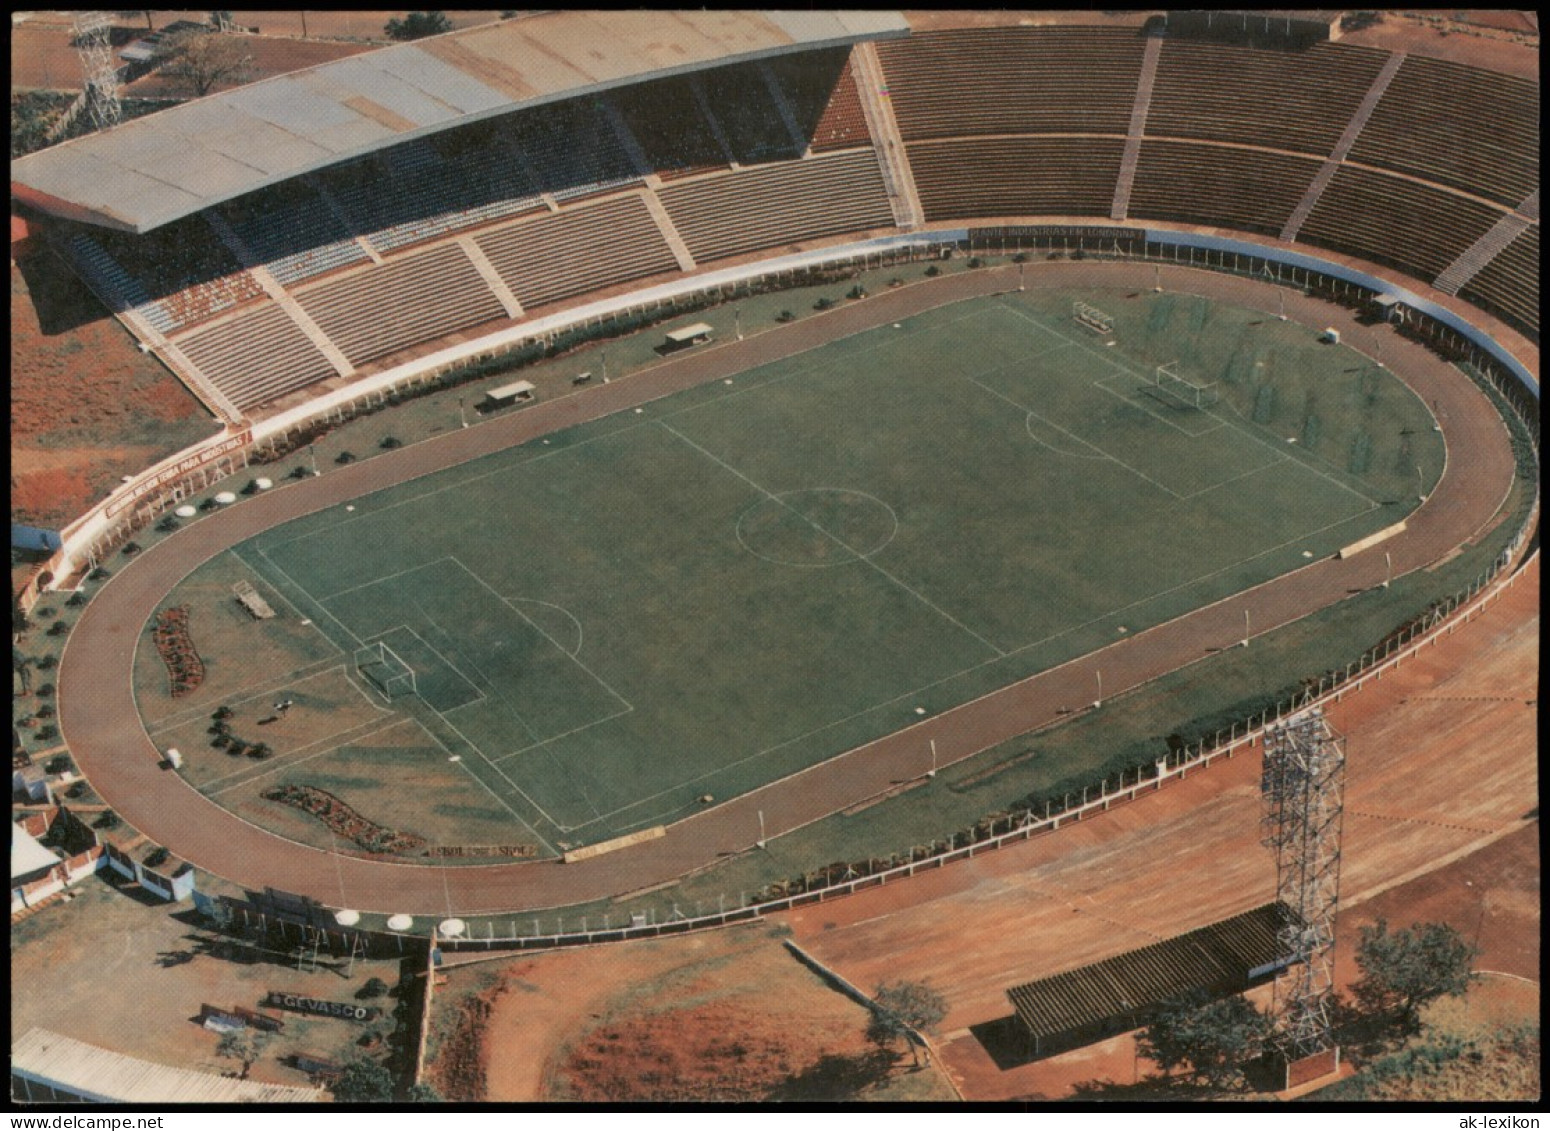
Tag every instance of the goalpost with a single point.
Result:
(386, 670)
(1091, 317)
(1192, 394)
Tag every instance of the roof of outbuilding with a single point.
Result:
(160, 168)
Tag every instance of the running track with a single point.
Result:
(102, 726)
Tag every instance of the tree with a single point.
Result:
(899, 1007)
(374, 987)
(423, 1093)
(364, 1081)
(244, 1046)
(1405, 969)
(200, 61)
(1214, 1038)
(418, 25)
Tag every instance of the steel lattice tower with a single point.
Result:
(93, 43)
(1303, 785)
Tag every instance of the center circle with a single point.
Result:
(817, 527)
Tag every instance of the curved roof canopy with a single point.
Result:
(157, 169)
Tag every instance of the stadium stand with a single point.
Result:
(1251, 189)
(577, 250)
(1013, 80)
(290, 230)
(573, 150)
(1016, 176)
(256, 356)
(120, 290)
(411, 299)
(1459, 126)
(675, 137)
(185, 273)
(1405, 224)
(821, 90)
(747, 115)
(1509, 285)
(751, 209)
(1297, 100)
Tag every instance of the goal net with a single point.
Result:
(386, 669)
(1181, 390)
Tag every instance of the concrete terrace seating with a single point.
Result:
(1015, 176)
(577, 250)
(291, 230)
(115, 286)
(408, 300)
(672, 132)
(1459, 126)
(1013, 80)
(770, 205)
(1414, 227)
(185, 269)
(822, 92)
(747, 114)
(1509, 284)
(257, 356)
(1298, 100)
(1220, 186)
(573, 150)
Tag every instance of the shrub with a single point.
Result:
(976, 261)
(76, 599)
(1020, 257)
(45, 691)
(76, 791)
(131, 549)
(824, 303)
(58, 628)
(108, 820)
(933, 271)
(390, 442)
(100, 574)
(156, 857)
(220, 726)
(47, 732)
(251, 488)
(209, 504)
(237, 748)
(59, 764)
(260, 750)
(168, 524)
(45, 711)
(785, 316)
(221, 740)
(46, 662)
(896, 282)
(374, 987)
(298, 473)
(222, 712)
(857, 291)
(345, 457)
(45, 612)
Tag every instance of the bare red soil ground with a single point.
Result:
(1441, 789)
(86, 406)
(269, 57)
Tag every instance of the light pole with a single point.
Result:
(760, 842)
(1157, 278)
(931, 773)
(461, 418)
(737, 319)
(1245, 628)
(1388, 568)
(1020, 285)
(605, 367)
(1420, 483)
(1098, 702)
(1281, 297)
(312, 450)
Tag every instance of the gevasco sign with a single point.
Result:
(320, 1007)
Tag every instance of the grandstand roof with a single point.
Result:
(111, 1077)
(160, 168)
(1217, 957)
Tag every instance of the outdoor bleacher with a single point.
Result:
(184, 269)
(256, 356)
(408, 300)
(580, 249)
(672, 132)
(821, 91)
(1405, 224)
(1251, 189)
(771, 205)
(1016, 176)
(1461, 126)
(573, 149)
(1297, 100)
(747, 114)
(291, 230)
(1509, 285)
(1013, 80)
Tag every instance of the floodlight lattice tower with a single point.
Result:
(94, 46)
(1303, 787)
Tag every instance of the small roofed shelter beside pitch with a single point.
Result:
(1115, 995)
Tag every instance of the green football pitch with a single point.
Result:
(745, 579)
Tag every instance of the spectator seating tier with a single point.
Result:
(1508, 286)
(1013, 80)
(408, 300)
(674, 135)
(256, 356)
(744, 108)
(1220, 186)
(577, 250)
(1402, 223)
(1460, 126)
(750, 209)
(822, 92)
(1016, 176)
(573, 149)
(185, 270)
(1297, 100)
